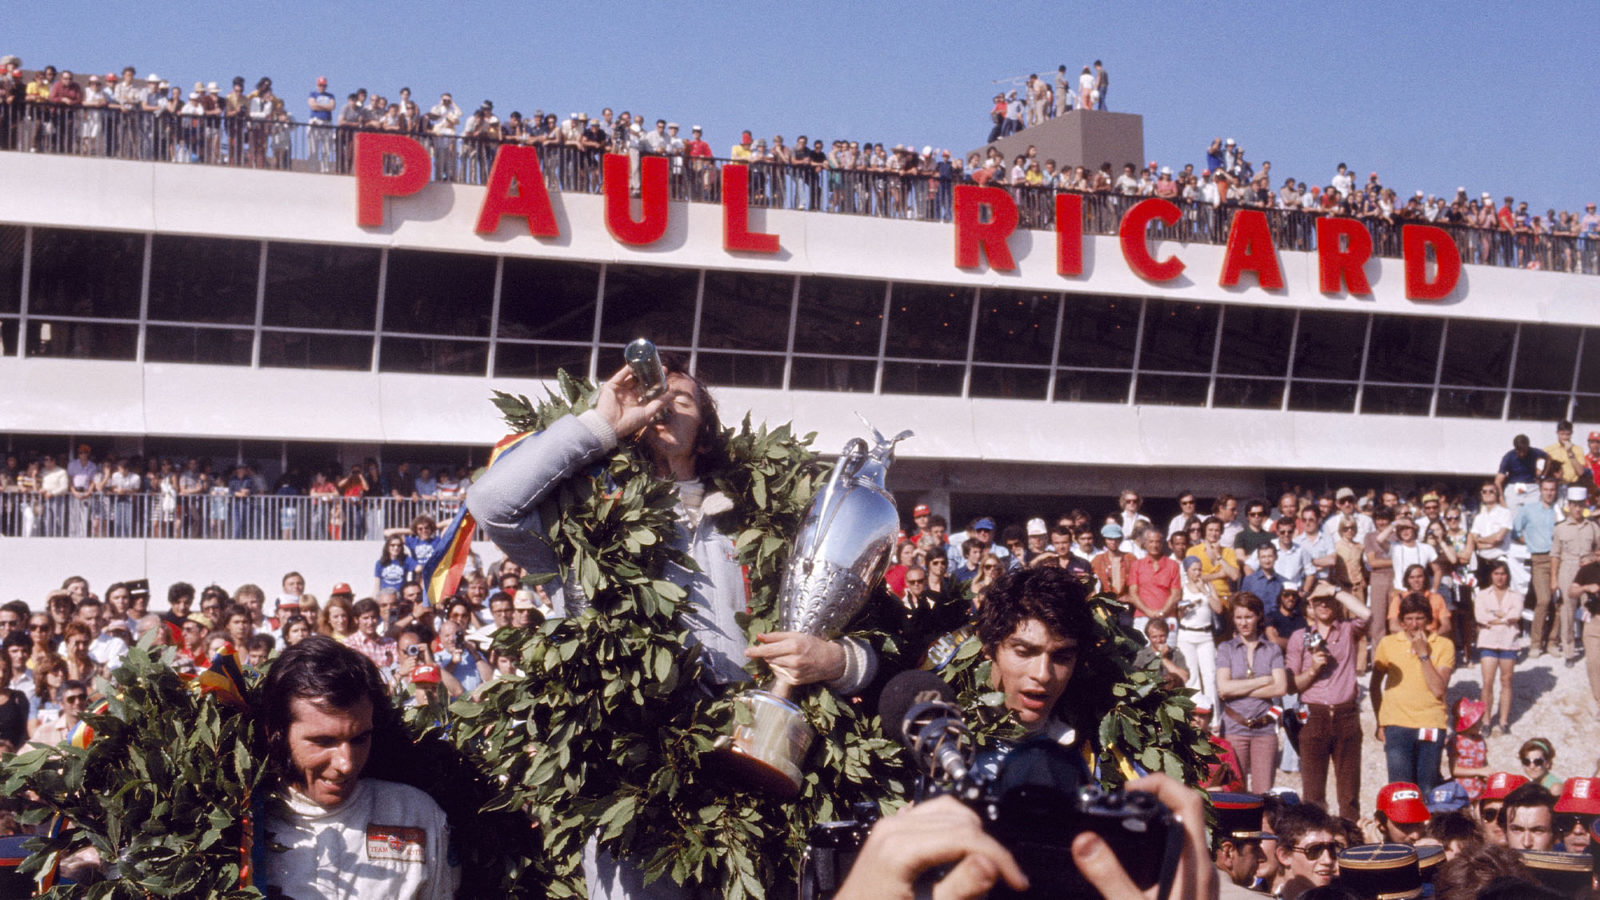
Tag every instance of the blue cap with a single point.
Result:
(984, 524)
(1112, 531)
(1447, 797)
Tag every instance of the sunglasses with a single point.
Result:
(916, 581)
(1568, 824)
(1318, 850)
(1535, 761)
(74, 698)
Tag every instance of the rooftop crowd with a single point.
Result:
(130, 116)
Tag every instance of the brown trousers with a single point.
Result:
(1332, 735)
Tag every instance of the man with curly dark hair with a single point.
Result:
(1032, 624)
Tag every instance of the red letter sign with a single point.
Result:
(736, 233)
(653, 195)
(1069, 234)
(1250, 249)
(973, 234)
(520, 165)
(372, 185)
(1337, 266)
(1414, 243)
(1134, 248)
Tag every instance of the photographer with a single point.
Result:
(1321, 660)
(943, 831)
(461, 660)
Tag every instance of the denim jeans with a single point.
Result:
(1411, 759)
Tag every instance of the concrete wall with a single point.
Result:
(30, 568)
(1080, 138)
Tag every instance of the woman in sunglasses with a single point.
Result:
(1538, 755)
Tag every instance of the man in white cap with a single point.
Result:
(1575, 543)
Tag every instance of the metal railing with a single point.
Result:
(289, 517)
(113, 133)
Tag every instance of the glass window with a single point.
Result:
(811, 373)
(922, 378)
(1404, 349)
(1247, 393)
(1589, 364)
(649, 301)
(1538, 407)
(434, 356)
(839, 316)
(548, 300)
(1470, 404)
(210, 346)
(540, 360)
(199, 279)
(1477, 354)
(1171, 390)
(303, 350)
(11, 240)
(929, 321)
(1010, 384)
(741, 369)
(322, 286)
(8, 337)
(1178, 337)
(83, 340)
(1099, 332)
(1091, 387)
(744, 311)
(438, 293)
(1255, 340)
(86, 273)
(1545, 357)
(1313, 396)
(1016, 326)
(1396, 401)
(1587, 407)
(1328, 346)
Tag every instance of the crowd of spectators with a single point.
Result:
(147, 117)
(107, 495)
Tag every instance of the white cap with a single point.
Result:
(1036, 526)
(1578, 492)
(1230, 140)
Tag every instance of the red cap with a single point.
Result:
(1402, 802)
(1469, 713)
(341, 588)
(1594, 435)
(425, 675)
(1502, 783)
(322, 79)
(1580, 795)
(921, 509)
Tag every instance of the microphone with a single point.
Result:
(918, 710)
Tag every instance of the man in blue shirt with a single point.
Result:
(321, 118)
(1534, 525)
(1520, 471)
(1264, 582)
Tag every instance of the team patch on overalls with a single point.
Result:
(395, 843)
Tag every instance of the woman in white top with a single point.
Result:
(1197, 612)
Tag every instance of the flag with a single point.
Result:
(441, 574)
(80, 735)
(224, 678)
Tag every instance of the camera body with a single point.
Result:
(1034, 798)
(1315, 641)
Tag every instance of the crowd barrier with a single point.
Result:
(113, 133)
(286, 517)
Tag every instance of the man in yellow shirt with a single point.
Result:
(1410, 674)
(1566, 459)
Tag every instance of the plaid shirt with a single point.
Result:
(383, 652)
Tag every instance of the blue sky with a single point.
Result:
(1496, 97)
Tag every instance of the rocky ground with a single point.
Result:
(1550, 701)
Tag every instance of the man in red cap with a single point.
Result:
(919, 519)
(321, 118)
(1576, 811)
(1402, 817)
(1487, 809)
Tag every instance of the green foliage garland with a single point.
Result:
(608, 733)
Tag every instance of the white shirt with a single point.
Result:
(1405, 557)
(387, 840)
(1487, 522)
(108, 650)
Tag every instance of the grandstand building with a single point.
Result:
(237, 313)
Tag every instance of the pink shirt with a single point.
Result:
(1507, 606)
(1337, 683)
(1155, 580)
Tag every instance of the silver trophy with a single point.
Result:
(844, 542)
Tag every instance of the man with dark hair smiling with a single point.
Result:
(330, 833)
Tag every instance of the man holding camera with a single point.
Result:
(1321, 659)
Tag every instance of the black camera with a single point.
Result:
(1314, 641)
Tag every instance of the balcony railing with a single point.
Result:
(112, 133)
(320, 517)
